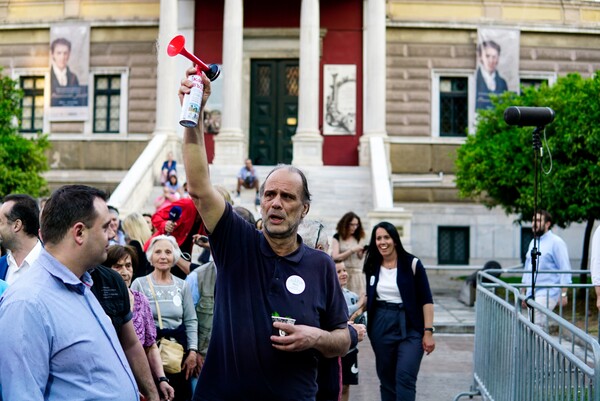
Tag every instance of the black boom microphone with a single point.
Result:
(528, 116)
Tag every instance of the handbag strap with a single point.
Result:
(160, 325)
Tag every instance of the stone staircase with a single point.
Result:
(335, 190)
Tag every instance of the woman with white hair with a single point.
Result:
(172, 308)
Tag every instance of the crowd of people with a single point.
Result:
(113, 309)
(93, 306)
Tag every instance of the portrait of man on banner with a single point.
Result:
(69, 66)
(497, 64)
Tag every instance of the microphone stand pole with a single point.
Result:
(535, 254)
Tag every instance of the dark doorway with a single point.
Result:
(273, 110)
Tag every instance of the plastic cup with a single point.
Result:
(279, 332)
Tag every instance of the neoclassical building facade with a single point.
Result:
(307, 82)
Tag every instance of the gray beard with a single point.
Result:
(286, 234)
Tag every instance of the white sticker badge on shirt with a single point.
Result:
(177, 300)
(295, 285)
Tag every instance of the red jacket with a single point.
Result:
(184, 224)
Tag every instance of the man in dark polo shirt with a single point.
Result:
(262, 274)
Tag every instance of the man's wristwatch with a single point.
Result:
(564, 294)
(163, 379)
(432, 329)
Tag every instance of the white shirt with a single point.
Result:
(14, 271)
(554, 257)
(61, 75)
(490, 79)
(595, 260)
(387, 288)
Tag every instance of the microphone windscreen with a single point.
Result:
(528, 116)
(175, 213)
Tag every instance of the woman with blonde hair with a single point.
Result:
(137, 233)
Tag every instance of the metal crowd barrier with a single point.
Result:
(517, 360)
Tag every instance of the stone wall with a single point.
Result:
(414, 53)
(94, 155)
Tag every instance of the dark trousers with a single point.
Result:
(182, 387)
(398, 352)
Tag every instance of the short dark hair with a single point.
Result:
(305, 192)
(113, 209)
(60, 41)
(118, 252)
(545, 215)
(26, 209)
(486, 44)
(68, 205)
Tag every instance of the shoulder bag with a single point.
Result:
(171, 352)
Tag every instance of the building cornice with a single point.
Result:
(93, 24)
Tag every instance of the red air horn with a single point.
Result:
(176, 46)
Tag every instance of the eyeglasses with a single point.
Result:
(354, 224)
(318, 235)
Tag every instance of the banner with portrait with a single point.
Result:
(339, 105)
(497, 63)
(69, 71)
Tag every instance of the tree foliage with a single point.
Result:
(496, 164)
(21, 159)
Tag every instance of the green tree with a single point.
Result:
(496, 165)
(21, 159)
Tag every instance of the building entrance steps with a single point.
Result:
(335, 190)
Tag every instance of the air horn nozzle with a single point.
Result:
(177, 46)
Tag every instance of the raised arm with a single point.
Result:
(208, 201)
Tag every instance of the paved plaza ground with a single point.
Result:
(448, 371)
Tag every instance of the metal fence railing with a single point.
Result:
(515, 359)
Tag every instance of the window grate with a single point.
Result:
(454, 106)
(32, 104)
(107, 103)
(453, 245)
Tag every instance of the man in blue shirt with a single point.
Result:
(19, 227)
(247, 178)
(554, 257)
(263, 274)
(57, 342)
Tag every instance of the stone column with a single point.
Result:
(230, 142)
(308, 142)
(168, 78)
(168, 75)
(374, 77)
